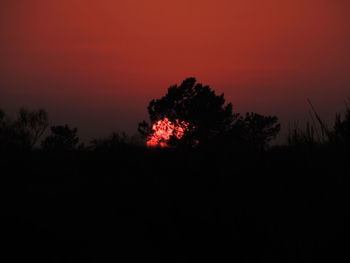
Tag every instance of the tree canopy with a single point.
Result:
(23, 132)
(62, 138)
(207, 117)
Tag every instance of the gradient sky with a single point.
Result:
(97, 64)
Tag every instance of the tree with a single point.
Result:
(23, 132)
(206, 119)
(62, 138)
(258, 130)
(206, 113)
(31, 125)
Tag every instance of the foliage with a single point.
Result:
(62, 138)
(24, 132)
(210, 119)
(115, 141)
(342, 128)
(318, 133)
(297, 136)
(198, 105)
(258, 130)
(31, 125)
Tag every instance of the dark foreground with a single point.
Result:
(134, 205)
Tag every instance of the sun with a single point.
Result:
(163, 130)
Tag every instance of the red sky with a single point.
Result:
(96, 64)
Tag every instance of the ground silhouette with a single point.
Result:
(117, 200)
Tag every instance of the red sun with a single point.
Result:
(164, 130)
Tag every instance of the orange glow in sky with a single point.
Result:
(95, 65)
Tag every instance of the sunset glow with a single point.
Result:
(88, 62)
(164, 130)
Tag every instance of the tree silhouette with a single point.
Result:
(62, 138)
(210, 119)
(206, 113)
(31, 125)
(23, 132)
(258, 130)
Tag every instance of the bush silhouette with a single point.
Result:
(258, 130)
(31, 124)
(62, 138)
(115, 142)
(318, 133)
(24, 132)
(342, 128)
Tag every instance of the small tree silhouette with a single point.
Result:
(23, 132)
(62, 138)
(31, 125)
(258, 130)
(206, 113)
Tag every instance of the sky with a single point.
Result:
(95, 65)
